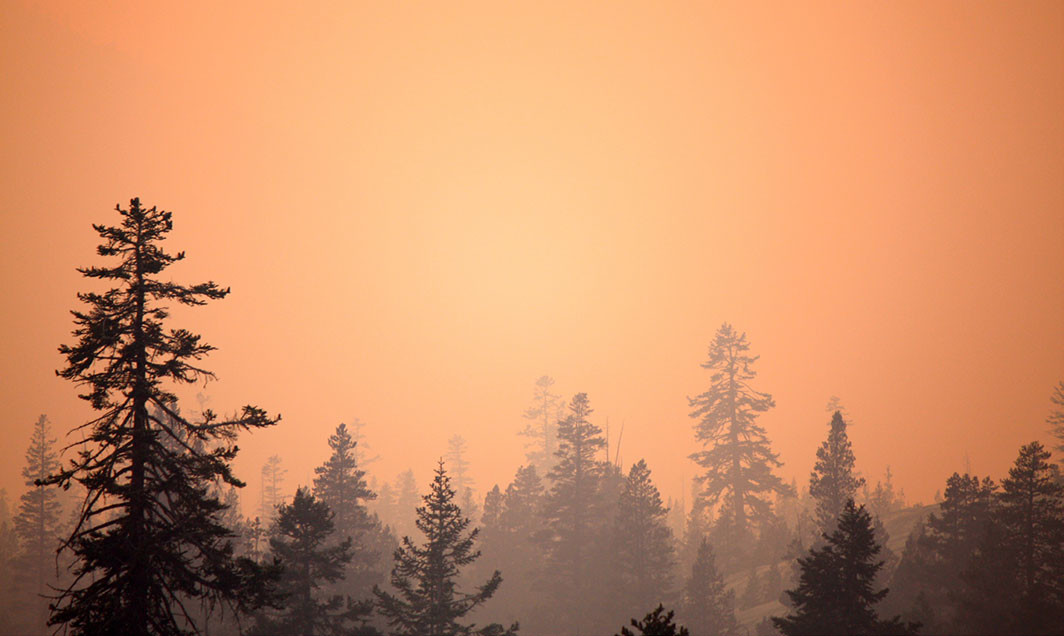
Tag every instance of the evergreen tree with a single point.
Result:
(832, 482)
(341, 485)
(38, 522)
(643, 548)
(708, 606)
(10, 610)
(542, 427)
(272, 481)
(656, 623)
(427, 602)
(1056, 417)
(572, 513)
(148, 539)
(406, 501)
(459, 465)
(737, 459)
(309, 559)
(835, 593)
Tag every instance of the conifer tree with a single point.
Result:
(656, 623)
(708, 606)
(10, 611)
(572, 511)
(835, 593)
(458, 464)
(427, 601)
(737, 460)
(271, 495)
(643, 548)
(542, 427)
(148, 539)
(38, 522)
(1056, 417)
(310, 560)
(406, 502)
(832, 482)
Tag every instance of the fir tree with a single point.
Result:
(572, 512)
(147, 540)
(38, 522)
(737, 461)
(272, 481)
(406, 500)
(1056, 417)
(835, 593)
(656, 623)
(542, 427)
(309, 560)
(427, 601)
(458, 464)
(341, 485)
(708, 606)
(642, 542)
(832, 482)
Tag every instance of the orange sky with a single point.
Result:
(422, 208)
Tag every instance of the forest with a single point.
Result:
(134, 525)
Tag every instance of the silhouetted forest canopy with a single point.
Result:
(136, 526)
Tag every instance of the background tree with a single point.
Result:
(708, 606)
(427, 601)
(148, 539)
(737, 459)
(572, 512)
(832, 482)
(542, 427)
(642, 542)
(458, 464)
(271, 496)
(1056, 417)
(38, 523)
(835, 593)
(310, 560)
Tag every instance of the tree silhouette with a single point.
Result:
(643, 548)
(309, 560)
(427, 601)
(148, 538)
(835, 593)
(1056, 417)
(832, 482)
(271, 496)
(708, 606)
(656, 623)
(738, 460)
(542, 427)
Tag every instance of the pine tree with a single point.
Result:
(656, 623)
(643, 548)
(406, 501)
(572, 512)
(512, 527)
(542, 427)
(147, 541)
(459, 466)
(708, 606)
(10, 609)
(271, 494)
(1056, 417)
(835, 593)
(832, 482)
(310, 560)
(738, 460)
(427, 601)
(38, 522)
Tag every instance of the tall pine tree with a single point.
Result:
(427, 601)
(737, 460)
(832, 482)
(271, 496)
(643, 549)
(148, 538)
(542, 427)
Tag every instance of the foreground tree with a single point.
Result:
(148, 540)
(835, 593)
(309, 560)
(427, 601)
(737, 460)
(37, 522)
(832, 482)
(656, 623)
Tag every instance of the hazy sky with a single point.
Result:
(422, 207)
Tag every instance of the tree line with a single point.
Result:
(574, 544)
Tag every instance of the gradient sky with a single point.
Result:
(422, 208)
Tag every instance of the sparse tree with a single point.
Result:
(833, 482)
(542, 427)
(406, 502)
(148, 540)
(737, 459)
(427, 601)
(271, 495)
(458, 464)
(1056, 417)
